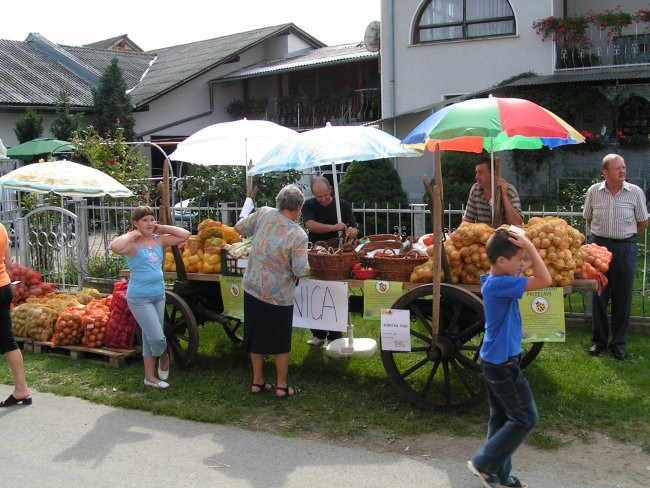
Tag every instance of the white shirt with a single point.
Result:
(615, 216)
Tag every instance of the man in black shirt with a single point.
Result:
(321, 220)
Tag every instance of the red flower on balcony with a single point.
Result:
(110, 162)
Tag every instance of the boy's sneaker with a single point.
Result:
(488, 480)
(316, 341)
(514, 482)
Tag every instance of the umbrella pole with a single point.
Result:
(498, 196)
(337, 201)
(492, 177)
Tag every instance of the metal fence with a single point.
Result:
(99, 223)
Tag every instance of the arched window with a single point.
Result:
(444, 20)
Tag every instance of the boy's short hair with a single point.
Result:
(498, 245)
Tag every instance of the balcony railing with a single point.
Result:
(305, 113)
(621, 51)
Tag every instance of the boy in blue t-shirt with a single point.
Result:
(513, 413)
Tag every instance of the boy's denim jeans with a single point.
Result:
(513, 415)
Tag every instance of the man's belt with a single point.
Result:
(632, 238)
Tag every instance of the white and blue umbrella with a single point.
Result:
(331, 145)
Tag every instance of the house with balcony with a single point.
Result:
(586, 60)
(278, 73)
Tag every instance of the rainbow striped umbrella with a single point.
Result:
(492, 124)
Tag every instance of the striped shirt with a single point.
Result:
(478, 208)
(615, 216)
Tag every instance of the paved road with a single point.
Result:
(66, 442)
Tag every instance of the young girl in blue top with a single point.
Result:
(145, 294)
(513, 412)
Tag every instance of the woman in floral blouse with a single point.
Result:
(277, 260)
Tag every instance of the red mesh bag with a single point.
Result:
(121, 327)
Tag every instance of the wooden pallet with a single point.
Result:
(27, 343)
(104, 356)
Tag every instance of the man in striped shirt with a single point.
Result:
(478, 204)
(616, 214)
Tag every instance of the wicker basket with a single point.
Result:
(374, 245)
(332, 264)
(398, 267)
(384, 237)
(334, 243)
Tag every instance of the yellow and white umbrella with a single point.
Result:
(64, 178)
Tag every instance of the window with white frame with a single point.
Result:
(444, 20)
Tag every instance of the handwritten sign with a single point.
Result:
(378, 295)
(395, 330)
(321, 305)
(542, 315)
(232, 295)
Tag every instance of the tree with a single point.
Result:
(65, 124)
(29, 126)
(211, 185)
(370, 182)
(111, 156)
(113, 107)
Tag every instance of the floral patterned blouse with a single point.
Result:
(278, 256)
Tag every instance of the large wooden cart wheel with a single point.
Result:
(181, 330)
(448, 375)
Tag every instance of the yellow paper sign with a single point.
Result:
(542, 315)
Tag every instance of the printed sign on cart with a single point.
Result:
(321, 305)
(542, 315)
(379, 294)
(395, 330)
(232, 295)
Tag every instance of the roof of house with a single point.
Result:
(626, 75)
(176, 65)
(35, 71)
(118, 43)
(328, 55)
(30, 77)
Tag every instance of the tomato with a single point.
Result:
(428, 240)
(356, 266)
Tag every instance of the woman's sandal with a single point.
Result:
(13, 401)
(288, 391)
(263, 388)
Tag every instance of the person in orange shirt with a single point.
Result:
(8, 346)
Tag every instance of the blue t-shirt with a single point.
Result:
(145, 272)
(502, 319)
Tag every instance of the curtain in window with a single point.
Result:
(439, 12)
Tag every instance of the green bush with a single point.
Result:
(375, 182)
(29, 126)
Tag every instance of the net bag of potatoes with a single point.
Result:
(558, 245)
(68, 330)
(466, 253)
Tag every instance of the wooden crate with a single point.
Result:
(104, 355)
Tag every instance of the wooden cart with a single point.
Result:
(442, 370)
